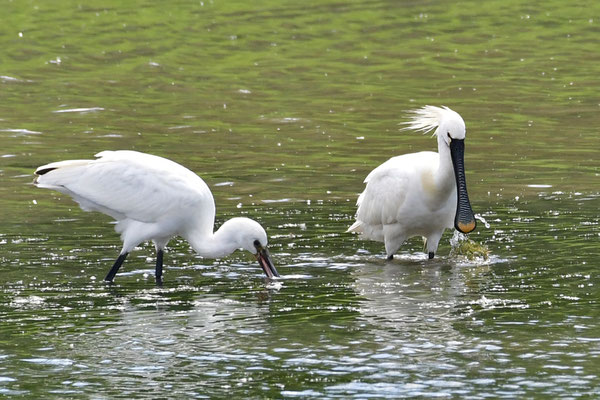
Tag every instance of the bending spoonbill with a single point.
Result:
(153, 198)
(416, 194)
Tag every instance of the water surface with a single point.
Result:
(283, 109)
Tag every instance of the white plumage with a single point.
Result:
(153, 198)
(416, 194)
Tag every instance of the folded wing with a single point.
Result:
(128, 184)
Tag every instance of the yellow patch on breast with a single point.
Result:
(428, 183)
(436, 193)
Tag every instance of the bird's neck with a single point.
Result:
(213, 245)
(445, 171)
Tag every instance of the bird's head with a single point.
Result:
(247, 234)
(447, 124)
(452, 127)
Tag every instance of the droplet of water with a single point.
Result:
(480, 218)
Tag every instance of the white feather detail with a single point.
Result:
(426, 119)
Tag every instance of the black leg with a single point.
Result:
(159, 263)
(431, 254)
(113, 271)
(390, 257)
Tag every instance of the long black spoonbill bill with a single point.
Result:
(419, 194)
(153, 198)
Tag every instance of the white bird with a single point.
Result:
(416, 194)
(153, 198)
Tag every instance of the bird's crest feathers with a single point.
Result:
(427, 118)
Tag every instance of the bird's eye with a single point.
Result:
(257, 244)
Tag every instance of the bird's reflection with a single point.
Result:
(415, 296)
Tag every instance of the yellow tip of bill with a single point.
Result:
(468, 227)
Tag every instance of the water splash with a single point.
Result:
(480, 218)
(463, 247)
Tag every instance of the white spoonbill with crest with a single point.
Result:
(153, 198)
(419, 194)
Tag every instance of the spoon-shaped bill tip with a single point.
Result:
(466, 227)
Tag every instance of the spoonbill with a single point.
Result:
(419, 194)
(153, 198)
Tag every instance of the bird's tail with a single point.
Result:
(356, 227)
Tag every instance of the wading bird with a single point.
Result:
(153, 198)
(419, 194)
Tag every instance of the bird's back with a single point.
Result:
(130, 185)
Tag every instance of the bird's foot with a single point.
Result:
(431, 254)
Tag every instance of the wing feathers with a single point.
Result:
(388, 196)
(128, 184)
(44, 169)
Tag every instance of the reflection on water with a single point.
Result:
(283, 109)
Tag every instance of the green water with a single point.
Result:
(283, 108)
